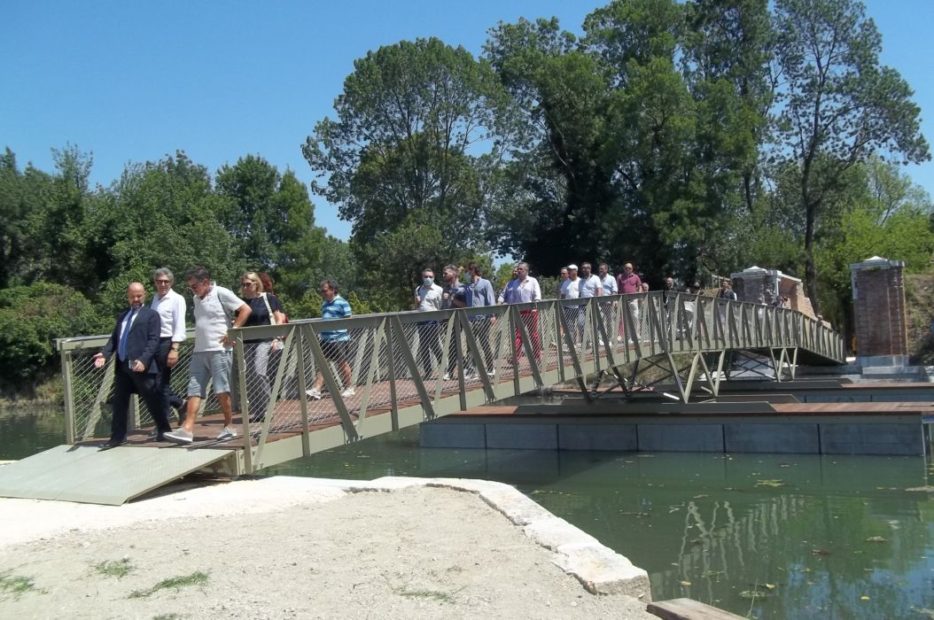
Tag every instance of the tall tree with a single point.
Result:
(662, 209)
(163, 213)
(561, 171)
(13, 209)
(728, 45)
(837, 106)
(414, 127)
(269, 214)
(44, 217)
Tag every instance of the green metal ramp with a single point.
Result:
(89, 475)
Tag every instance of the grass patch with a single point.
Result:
(16, 585)
(197, 578)
(115, 568)
(431, 595)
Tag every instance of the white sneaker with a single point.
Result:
(446, 377)
(180, 436)
(227, 433)
(313, 393)
(347, 393)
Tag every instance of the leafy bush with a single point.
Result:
(31, 318)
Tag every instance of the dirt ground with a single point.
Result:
(415, 552)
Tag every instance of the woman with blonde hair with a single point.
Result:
(265, 310)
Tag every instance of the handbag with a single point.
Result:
(276, 343)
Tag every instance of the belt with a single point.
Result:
(164, 338)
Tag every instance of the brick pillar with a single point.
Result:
(880, 314)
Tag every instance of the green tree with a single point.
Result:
(837, 106)
(157, 214)
(411, 143)
(558, 182)
(269, 214)
(663, 215)
(31, 318)
(16, 203)
(728, 45)
(42, 234)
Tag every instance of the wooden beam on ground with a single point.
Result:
(688, 609)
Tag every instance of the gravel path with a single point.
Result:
(285, 548)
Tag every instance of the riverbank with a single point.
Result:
(304, 547)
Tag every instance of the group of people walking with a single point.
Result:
(146, 341)
(477, 291)
(575, 283)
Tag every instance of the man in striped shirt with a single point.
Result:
(335, 343)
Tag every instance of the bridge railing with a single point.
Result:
(348, 373)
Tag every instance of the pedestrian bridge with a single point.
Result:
(408, 368)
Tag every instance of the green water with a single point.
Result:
(27, 430)
(762, 536)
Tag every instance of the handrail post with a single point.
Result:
(391, 337)
(68, 368)
(240, 365)
(459, 354)
(514, 353)
(302, 386)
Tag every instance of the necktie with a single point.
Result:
(121, 348)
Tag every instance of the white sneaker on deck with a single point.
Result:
(227, 433)
(313, 393)
(348, 392)
(180, 436)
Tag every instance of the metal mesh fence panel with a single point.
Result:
(92, 391)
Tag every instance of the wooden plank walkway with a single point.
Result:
(286, 421)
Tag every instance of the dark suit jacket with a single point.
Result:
(143, 340)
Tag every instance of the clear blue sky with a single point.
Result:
(134, 81)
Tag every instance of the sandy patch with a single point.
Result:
(288, 548)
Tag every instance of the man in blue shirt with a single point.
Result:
(479, 294)
(335, 343)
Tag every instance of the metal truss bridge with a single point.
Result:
(408, 368)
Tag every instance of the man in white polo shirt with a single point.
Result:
(212, 358)
(171, 308)
(525, 289)
(573, 314)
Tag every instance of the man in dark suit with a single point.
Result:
(135, 340)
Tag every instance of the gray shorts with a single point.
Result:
(210, 365)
